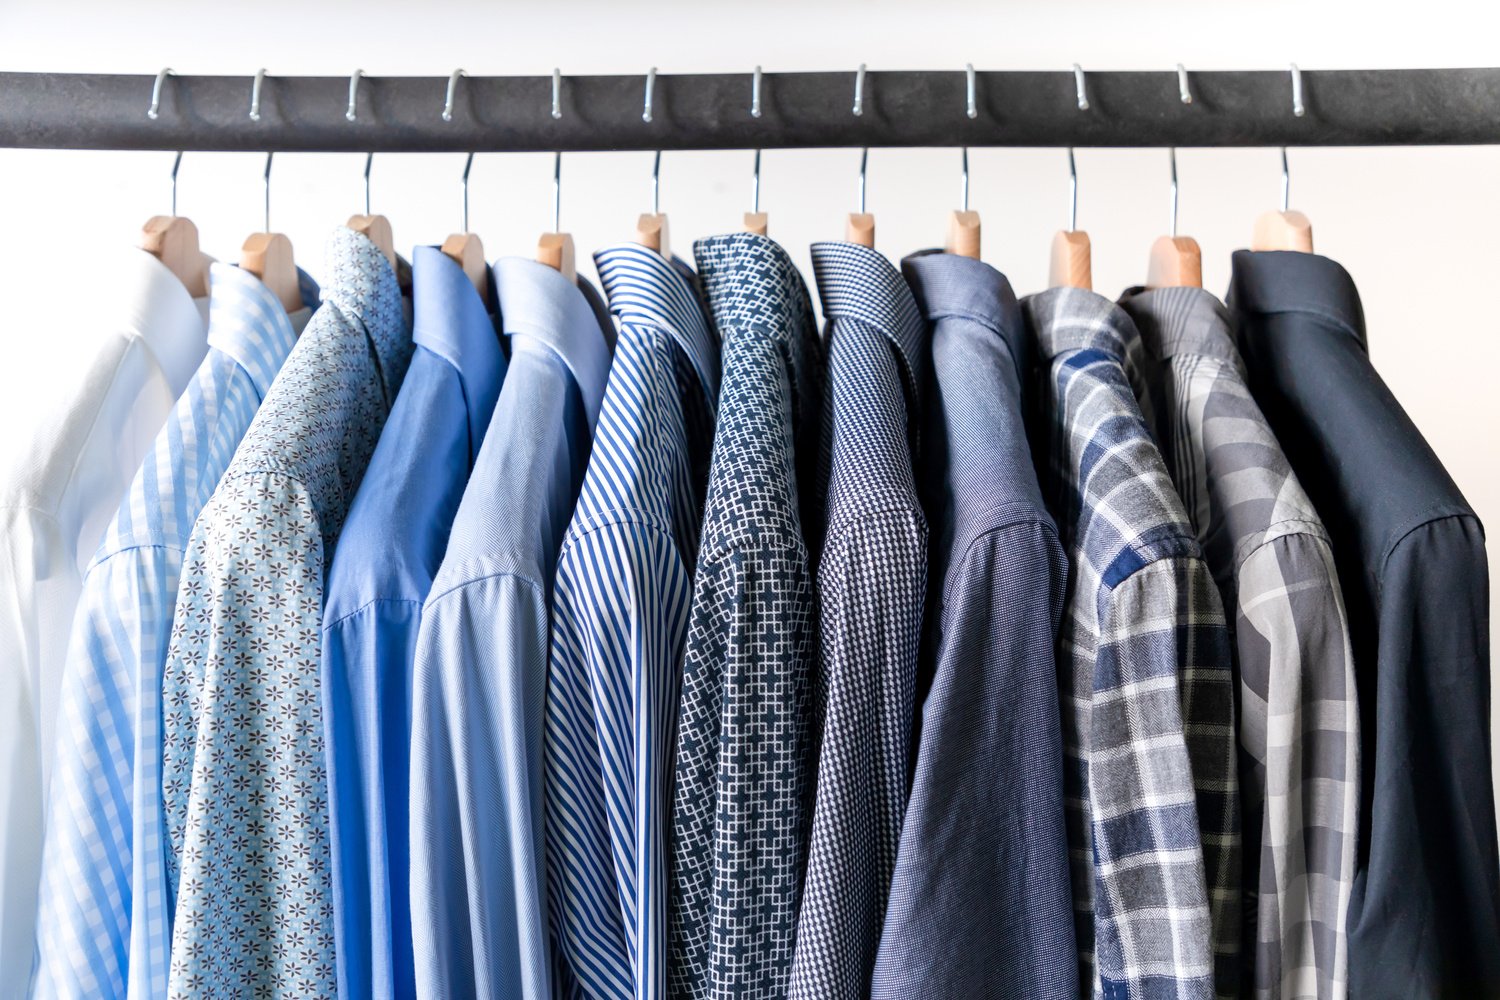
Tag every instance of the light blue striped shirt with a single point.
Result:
(624, 584)
(103, 915)
(479, 921)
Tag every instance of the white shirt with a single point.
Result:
(58, 490)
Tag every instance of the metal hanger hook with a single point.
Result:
(1184, 92)
(650, 86)
(161, 78)
(556, 93)
(864, 162)
(1286, 180)
(971, 105)
(260, 78)
(1172, 163)
(656, 184)
(1072, 192)
(353, 112)
(267, 177)
(369, 162)
(964, 153)
(859, 91)
(1081, 86)
(468, 165)
(755, 184)
(452, 89)
(1297, 107)
(755, 94)
(176, 163)
(557, 192)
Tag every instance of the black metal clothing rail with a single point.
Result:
(713, 111)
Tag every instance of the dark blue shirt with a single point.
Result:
(980, 905)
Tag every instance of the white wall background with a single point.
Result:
(1416, 227)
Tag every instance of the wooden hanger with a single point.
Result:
(268, 256)
(465, 248)
(1283, 230)
(963, 225)
(860, 226)
(756, 221)
(651, 230)
(377, 228)
(555, 249)
(1176, 261)
(1071, 265)
(173, 240)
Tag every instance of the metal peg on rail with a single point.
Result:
(448, 100)
(260, 78)
(161, 78)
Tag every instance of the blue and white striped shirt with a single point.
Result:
(624, 581)
(103, 915)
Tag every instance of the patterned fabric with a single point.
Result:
(102, 928)
(980, 904)
(244, 780)
(871, 588)
(61, 482)
(1424, 917)
(478, 890)
(1145, 673)
(619, 621)
(743, 773)
(388, 552)
(1274, 566)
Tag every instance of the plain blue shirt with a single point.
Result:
(478, 896)
(387, 556)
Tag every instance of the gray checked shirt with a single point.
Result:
(1272, 561)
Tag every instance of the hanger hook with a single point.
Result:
(260, 78)
(176, 163)
(452, 89)
(1080, 86)
(973, 106)
(468, 165)
(755, 184)
(656, 184)
(1184, 92)
(650, 86)
(864, 162)
(267, 177)
(161, 77)
(353, 111)
(964, 161)
(859, 91)
(556, 93)
(755, 94)
(1297, 107)
(1286, 180)
(369, 161)
(557, 192)
(1072, 192)
(1172, 163)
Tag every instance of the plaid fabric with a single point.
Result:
(1299, 723)
(1147, 692)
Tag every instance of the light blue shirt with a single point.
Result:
(103, 928)
(624, 586)
(479, 917)
(244, 777)
(388, 553)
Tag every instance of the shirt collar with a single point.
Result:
(537, 301)
(1174, 321)
(1280, 281)
(454, 323)
(947, 286)
(1077, 319)
(644, 289)
(247, 321)
(856, 282)
(156, 306)
(363, 285)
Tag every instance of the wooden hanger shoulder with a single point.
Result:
(652, 232)
(757, 223)
(268, 256)
(1176, 262)
(1283, 231)
(556, 251)
(468, 252)
(1072, 260)
(963, 234)
(173, 239)
(860, 228)
(378, 229)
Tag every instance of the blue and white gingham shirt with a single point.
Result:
(103, 927)
(620, 618)
(1145, 675)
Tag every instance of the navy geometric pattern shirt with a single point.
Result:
(743, 764)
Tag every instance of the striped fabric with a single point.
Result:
(871, 589)
(1299, 721)
(244, 781)
(102, 928)
(740, 808)
(620, 616)
(1145, 672)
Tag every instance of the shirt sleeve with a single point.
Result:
(1299, 726)
(620, 622)
(1162, 784)
(478, 909)
(244, 780)
(742, 797)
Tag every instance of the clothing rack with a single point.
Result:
(714, 111)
